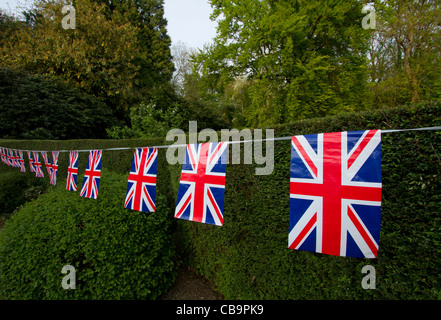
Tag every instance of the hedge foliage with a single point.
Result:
(17, 188)
(42, 107)
(248, 258)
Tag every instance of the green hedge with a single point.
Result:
(44, 107)
(16, 188)
(248, 257)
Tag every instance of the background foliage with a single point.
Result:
(44, 107)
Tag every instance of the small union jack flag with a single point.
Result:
(202, 185)
(11, 158)
(21, 161)
(54, 168)
(31, 162)
(92, 175)
(335, 193)
(37, 164)
(141, 185)
(72, 171)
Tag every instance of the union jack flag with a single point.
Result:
(19, 155)
(202, 185)
(31, 162)
(13, 163)
(72, 171)
(3, 155)
(54, 168)
(37, 164)
(141, 185)
(16, 158)
(335, 193)
(92, 175)
(47, 163)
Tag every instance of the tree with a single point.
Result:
(8, 25)
(303, 58)
(388, 82)
(153, 58)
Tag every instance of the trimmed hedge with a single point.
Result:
(45, 107)
(17, 188)
(248, 257)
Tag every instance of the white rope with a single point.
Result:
(230, 142)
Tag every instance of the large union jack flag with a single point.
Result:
(54, 168)
(202, 185)
(72, 171)
(335, 193)
(91, 181)
(141, 185)
(37, 164)
(11, 158)
(3, 155)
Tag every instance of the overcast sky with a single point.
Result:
(188, 20)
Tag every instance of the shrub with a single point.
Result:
(41, 107)
(117, 253)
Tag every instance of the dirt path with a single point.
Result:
(190, 286)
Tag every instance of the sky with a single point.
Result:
(188, 20)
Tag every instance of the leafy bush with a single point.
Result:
(117, 253)
(147, 121)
